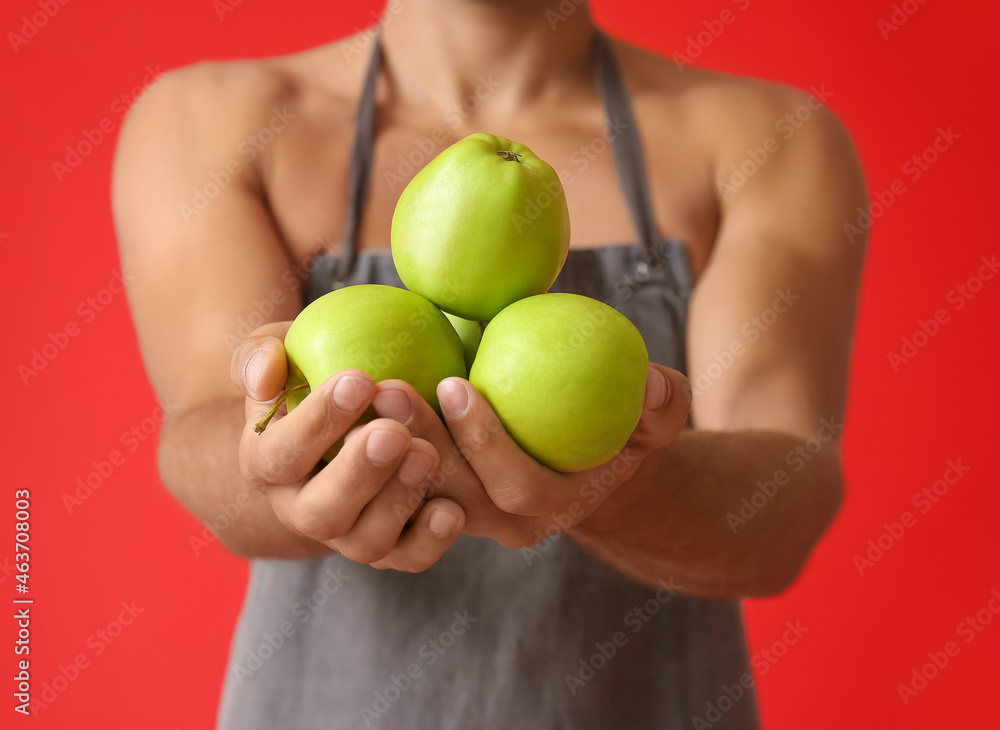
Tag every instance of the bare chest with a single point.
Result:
(307, 180)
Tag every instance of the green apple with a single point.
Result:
(482, 225)
(471, 333)
(385, 331)
(566, 374)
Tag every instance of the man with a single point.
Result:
(416, 580)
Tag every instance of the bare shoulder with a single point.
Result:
(729, 113)
(204, 111)
(207, 102)
(776, 157)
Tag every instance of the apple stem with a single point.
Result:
(509, 156)
(482, 328)
(262, 423)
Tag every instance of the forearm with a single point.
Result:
(199, 464)
(681, 516)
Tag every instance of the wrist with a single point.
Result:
(616, 499)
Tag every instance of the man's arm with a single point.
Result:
(735, 507)
(196, 272)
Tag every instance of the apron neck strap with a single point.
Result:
(622, 133)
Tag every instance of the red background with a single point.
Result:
(129, 540)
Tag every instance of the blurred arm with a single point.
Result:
(198, 271)
(735, 506)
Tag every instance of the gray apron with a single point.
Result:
(491, 638)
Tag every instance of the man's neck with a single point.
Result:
(440, 52)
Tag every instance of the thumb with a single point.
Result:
(259, 366)
(665, 410)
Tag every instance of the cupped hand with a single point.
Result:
(372, 502)
(505, 494)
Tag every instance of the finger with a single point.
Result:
(396, 399)
(508, 473)
(437, 526)
(327, 507)
(258, 367)
(454, 478)
(291, 446)
(665, 409)
(376, 530)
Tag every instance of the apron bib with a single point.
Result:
(491, 638)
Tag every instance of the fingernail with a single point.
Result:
(352, 392)
(393, 404)
(415, 468)
(253, 371)
(383, 447)
(442, 523)
(453, 397)
(657, 388)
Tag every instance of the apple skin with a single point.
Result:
(566, 374)
(471, 334)
(385, 331)
(474, 231)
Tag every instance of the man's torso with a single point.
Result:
(310, 98)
